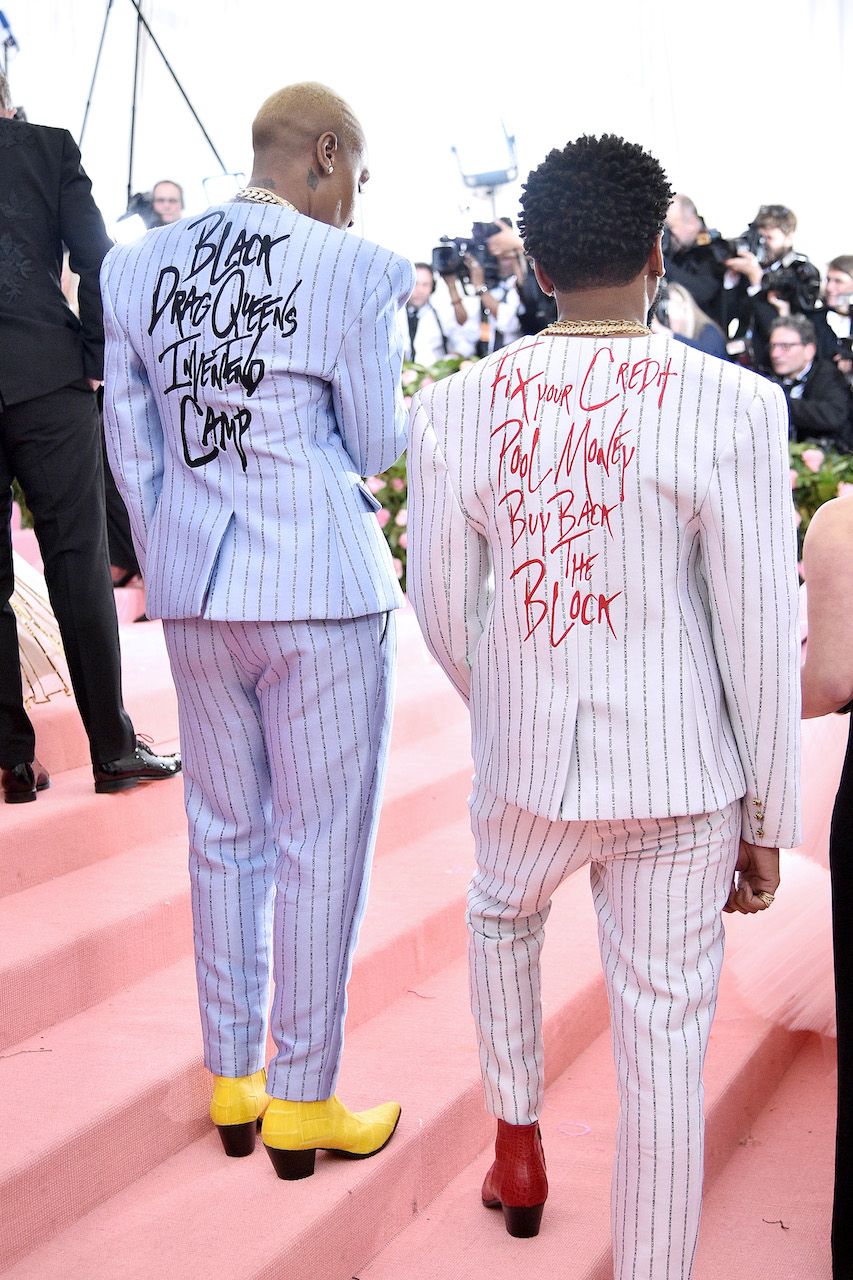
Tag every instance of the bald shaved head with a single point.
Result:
(310, 149)
(292, 119)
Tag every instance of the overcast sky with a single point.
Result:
(744, 102)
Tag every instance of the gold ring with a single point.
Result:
(766, 898)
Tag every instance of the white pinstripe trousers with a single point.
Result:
(284, 732)
(659, 886)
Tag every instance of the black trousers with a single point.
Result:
(52, 445)
(841, 865)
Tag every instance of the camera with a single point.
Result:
(447, 257)
(141, 206)
(797, 284)
(720, 250)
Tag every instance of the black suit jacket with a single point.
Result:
(823, 412)
(45, 201)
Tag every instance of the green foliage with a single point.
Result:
(816, 476)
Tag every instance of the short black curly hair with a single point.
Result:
(591, 211)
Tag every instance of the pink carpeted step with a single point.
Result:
(454, 1238)
(69, 826)
(767, 1216)
(108, 925)
(120, 1090)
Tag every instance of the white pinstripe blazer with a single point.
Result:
(252, 378)
(602, 557)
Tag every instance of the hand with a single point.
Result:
(94, 383)
(507, 241)
(476, 274)
(757, 872)
(846, 366)
(781, 304)
(746, 264)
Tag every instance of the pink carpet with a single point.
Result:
(108, 1167)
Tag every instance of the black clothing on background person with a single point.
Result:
(122, 552)
(45, 199)
(699, 270)
(821, 411)
(53, 444)
(50, 436)
(758, 312)
(536, 310)
(841, 870)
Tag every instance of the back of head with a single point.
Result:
(592, 212)
(291, 120)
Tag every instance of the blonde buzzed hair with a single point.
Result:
(5, 94)
(294, 117)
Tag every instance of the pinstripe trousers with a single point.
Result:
(659, 886)
(284, 732)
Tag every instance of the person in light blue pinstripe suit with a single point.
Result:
(252, 380)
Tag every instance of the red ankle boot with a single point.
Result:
(517, 1182)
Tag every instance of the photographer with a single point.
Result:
(436, 322)
(779, 282)
(695, 258)
(167, 202)
(818, 398)
(835, 326)
(515, 304)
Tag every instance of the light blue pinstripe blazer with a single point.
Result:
(252, 378)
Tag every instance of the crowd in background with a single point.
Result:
(756, 300)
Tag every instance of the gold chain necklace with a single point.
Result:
(596, 329)
(260, 195)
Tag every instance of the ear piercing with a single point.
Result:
(330, 169)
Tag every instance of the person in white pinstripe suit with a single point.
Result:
(252, 380)
(602, 558)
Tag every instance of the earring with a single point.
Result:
(330, 169)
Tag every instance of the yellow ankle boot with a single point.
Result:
(236, 1108)
(293, 1132)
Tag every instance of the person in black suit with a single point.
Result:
(50, 366)
(817, 393)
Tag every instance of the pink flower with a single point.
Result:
(403, 541)
(426, 381)
(794, 478)
(402, 518)
(409, 376)
(398, 567)
(375, 485)
(845, 490)
(407, 401)
(813, 458)
(398, 484)
(383, 517)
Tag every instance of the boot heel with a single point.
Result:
(523, 1221)
(292, 1165)
(238, 1139)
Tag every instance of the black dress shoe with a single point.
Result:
(21, 783)
(142, 765)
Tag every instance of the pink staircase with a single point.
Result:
(109, 1169)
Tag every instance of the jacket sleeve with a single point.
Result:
(132, 427)
(749, 547)
(366, 387)
(82, 229)
(449, 577)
